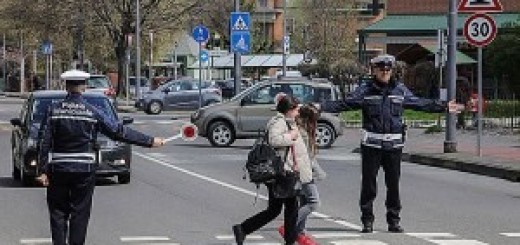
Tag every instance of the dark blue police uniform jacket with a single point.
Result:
(68, 135)
(382, 107)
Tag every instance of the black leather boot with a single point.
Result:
(395, 228)
(368, 227)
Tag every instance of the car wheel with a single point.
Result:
(155, 107)
(23, 178)
(16, 171)
(221, 134)
(325, 135)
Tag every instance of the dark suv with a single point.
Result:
(115, 156)
(246, 114)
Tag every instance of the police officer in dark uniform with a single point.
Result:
(67, 158)
(382, 101)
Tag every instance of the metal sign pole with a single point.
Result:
(238, 62)
(480, 103)
(450, 143)
(200, 75)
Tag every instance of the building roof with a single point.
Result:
(416, 52)
(428, 23)
(258, 60)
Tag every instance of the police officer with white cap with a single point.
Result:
(382, 102)
(67, 157)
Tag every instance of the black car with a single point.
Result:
(114, 157)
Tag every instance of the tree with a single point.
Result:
(118, 17)
(328, 29)
(503, 57)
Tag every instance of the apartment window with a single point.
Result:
(261, 3)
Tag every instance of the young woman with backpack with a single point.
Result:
(284, 135)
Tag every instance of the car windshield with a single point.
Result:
(98, 82)
(144, 81)
(41, 105)
(264, 94)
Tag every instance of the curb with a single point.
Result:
(471, 165)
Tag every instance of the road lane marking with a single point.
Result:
(36, 241)
(358, 242)
(330, 235)
(232, 237)
(239, 189)
(457, 242)
(510, 234)
(143, 238)
(432, 235)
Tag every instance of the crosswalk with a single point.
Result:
(323, 237)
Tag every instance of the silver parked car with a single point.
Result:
(101, 85)
(179, 94)
(245, 115)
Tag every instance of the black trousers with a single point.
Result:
(69, 197)
(372, 159)
(274, 208)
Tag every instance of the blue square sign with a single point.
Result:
(240, 21)
(241, 42)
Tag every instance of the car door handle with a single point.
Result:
(273, 108)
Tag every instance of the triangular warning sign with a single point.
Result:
(240, 24)
(471, 6)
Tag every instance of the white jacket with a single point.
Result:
(280, 139)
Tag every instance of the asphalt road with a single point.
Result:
(190, 193)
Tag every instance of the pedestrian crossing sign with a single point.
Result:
(241, 42)
(240, 21)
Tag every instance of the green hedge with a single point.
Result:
(408, 115)
(502, 108)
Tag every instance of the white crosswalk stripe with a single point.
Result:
(511, 234)
(232, 237)
(358, 242)
(445, 239)
(35, 241)
(334, 235)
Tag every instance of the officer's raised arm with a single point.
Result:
(421, 104)
(117, 131)
(353, 102)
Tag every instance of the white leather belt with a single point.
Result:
(383, 137)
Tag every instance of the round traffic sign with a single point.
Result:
(200, 33)
(480, 29)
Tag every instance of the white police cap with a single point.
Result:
(386, 60)
(75, 75)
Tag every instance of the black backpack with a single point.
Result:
(264, 164)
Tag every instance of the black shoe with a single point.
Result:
(367, 227)
(239, 234)
(395, 228)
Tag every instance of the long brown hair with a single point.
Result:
(308, 120)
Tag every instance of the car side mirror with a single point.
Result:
(16, 122)
(166, 90)
(127, 120)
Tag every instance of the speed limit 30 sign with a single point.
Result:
(480, 29)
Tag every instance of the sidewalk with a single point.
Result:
(500, 151)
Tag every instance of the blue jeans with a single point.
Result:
(310, 201)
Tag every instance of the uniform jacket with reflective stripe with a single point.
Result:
(382, 107)
(68, 134)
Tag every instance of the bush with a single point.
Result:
(502, 108)
(408, 115)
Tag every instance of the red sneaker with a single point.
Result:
(306, 240)
(281, 230)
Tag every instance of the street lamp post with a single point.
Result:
(4, 69)
(150, 68)
(127, 67)
(175, 61)
(284, 54)
(450, 144)
(138, 48)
